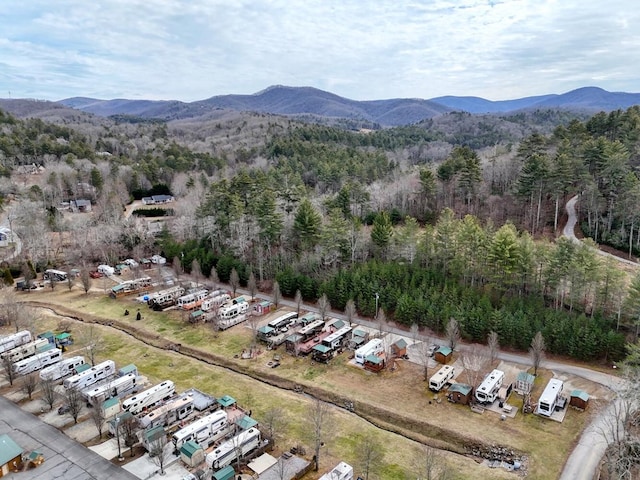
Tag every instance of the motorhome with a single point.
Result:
(106, 270)
(488, 390)
(550, 398)
(231, 311)
(310, 330)
(55, 275)
(238, 446)
(192, 300)
(169, 413)
(14, 340)
(38, 361)
(372, 347)
(441, 378)
(165, 298)
(28, 349)
(149, 397)
(98, 373)
(130, 287)
(62, 369)
(205, 430)
(342, 471)
(213, 301)
(283, 321)
(119, 387)
(337, 338)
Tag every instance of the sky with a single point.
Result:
(360, 49)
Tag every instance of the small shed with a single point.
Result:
(524, 383)
(246, 422)
(64, 339)
(337, 324)
(227, 401)
(49, 336)
(579, 399)
(373, 363)
(358, 338)
(399, 348)
(265, 331)
(35, 459)
(227, 473)
(460, 393)
(443, 355)
(263, 307)
(127, 369)
(192, 454)
(149, 437)
(10, 456)
(111, 407)
(80, 205)
(291, 343)
(322, 353)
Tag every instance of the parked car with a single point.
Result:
(95, 274)
(63, 409)
(106, 270)
(131, 262)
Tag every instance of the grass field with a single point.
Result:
(399, 399)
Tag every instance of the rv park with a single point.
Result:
(527, 429)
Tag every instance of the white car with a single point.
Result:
(159, 259)
(106, 270)
(131, 262)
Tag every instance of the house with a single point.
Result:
(374, 363)
(10, 456)
(443, 355)
(80, 206)
(524, 383)
(460, 393)
(399, 348)
(579, 399)
(157, 199)
(192, 454)
(264, 307)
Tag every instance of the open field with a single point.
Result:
(397, 400)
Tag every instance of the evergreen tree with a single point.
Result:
(307, 225)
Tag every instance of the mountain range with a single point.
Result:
(284, 100)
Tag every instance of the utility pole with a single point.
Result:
(120, 457)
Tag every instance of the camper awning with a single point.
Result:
(226, 401)
(322, 348)
(581, 394)
(246, 422)
(266, 330)
(373, 359)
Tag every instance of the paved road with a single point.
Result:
(65, 459)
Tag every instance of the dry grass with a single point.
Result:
(400, 397)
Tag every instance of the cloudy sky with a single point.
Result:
(361, 49)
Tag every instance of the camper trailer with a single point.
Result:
(550, 398)
(102, 371)
(62, 369)
(441, 378)
(149, 397)
(213, 301)
(240, 445)
(488, 390)
(283, 321)
(205, 431)
(169, 413)
(15, 340)
(38, 361)
(372, 347)
(120, 387)
(165, 298)
(55, 275)
(27, 350)
(192, 300)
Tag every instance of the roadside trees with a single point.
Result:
(28, 384)
(97, 417)
(452, 333)
(7, 368)
(158, 451)
(369, 455)
(49, 395)
(536, 351)
(73, 399)
(319, 417)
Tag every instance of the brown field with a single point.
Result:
(397, 402)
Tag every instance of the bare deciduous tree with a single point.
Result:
(158, 451)
(7, 368)
(298, 301)
(234, 280)
(129, 427)
(276, 295)
(213, 277)
(282, 469)
(369, 455)
(474, 362)
(177, 267)
(49, 395)
(350, 310)
(74, 401)
(28, 384)
(92, 340)
(452, 333)
(274, 421)
(97, 417)
(424, 357)
(323, 306)
(85, 279)
(252, 285)
(196, 273)
(381, 321)
(415, 332)
(429, 465)
(320, 422)
(494, 346)
(536, 351)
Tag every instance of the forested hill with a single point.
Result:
(284, 100)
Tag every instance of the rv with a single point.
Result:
(550, 398)
(192, 300)
(337, 338)
(130, 287)
(149, 397)
(27, 350)
(102, 371)
(64, 368)
(55, 275)
(372, 347)
(38, 361)
(488, 390)
(310, 330)
(165, 298)
(119, 387)
(169, 413)
(342, 471)
(229, 312)
(283, 321)
(441, 378)
(238, 446)
(205, 430)
(213, 301)
(106, 270)
(15, 340)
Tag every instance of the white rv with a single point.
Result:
(441, 378)
(342, 471)
(149, 397)
(372, 347)
(64, 368)
(205, 430)
(26, 350)
(169, 413)
(488, 390)
(550, 397)
(14, 340)
(192, 300)
(119, 387)
(38, 361)
(102, 371)
(283, 320)
(240, 445)
(213, 301)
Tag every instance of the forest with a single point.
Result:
(455, 217)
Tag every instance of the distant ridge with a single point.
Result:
(284, 100)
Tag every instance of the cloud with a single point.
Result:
(364, 49)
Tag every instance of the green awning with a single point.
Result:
(226, 401)
(322, 348)
(227, 473)
(246, 422)
(373, 359)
